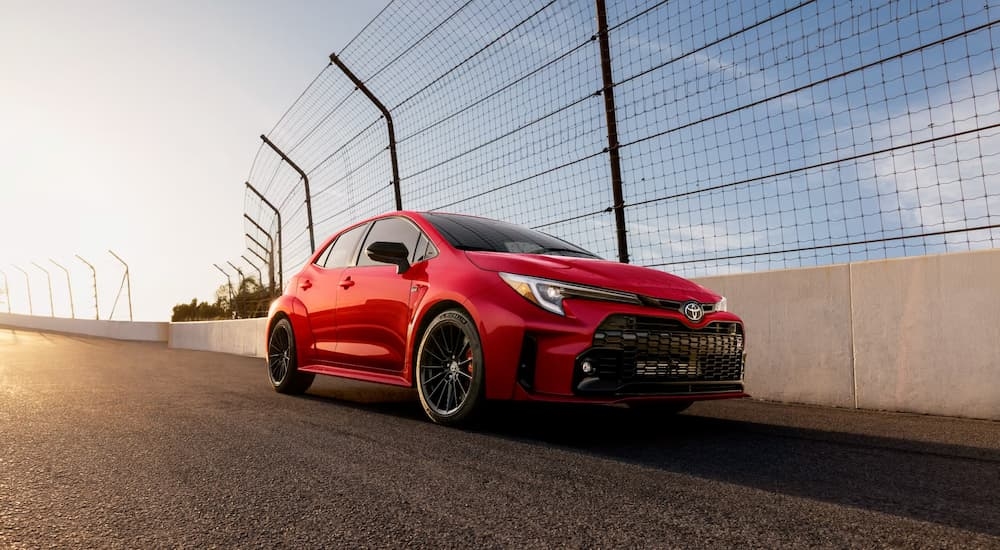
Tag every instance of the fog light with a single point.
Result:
(587, 368)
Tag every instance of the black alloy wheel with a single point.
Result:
(282, 363)
(450, 375)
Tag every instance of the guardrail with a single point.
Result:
(914, 334)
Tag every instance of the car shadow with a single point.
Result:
(951, 485)
(395, 401)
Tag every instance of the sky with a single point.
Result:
(131, 126)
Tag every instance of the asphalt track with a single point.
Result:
(130, 445)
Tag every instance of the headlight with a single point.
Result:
(550, 294)
(721, 305)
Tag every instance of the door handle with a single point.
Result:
(305, 285)
(347, 283)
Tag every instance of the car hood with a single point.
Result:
(596, 273)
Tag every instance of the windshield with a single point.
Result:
(469, 233)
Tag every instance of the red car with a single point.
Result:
(469, 309)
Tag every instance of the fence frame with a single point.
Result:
(388, 122)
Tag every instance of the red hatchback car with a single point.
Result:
(469, 309)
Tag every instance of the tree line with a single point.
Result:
(249, 299)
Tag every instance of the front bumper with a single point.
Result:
(656, 355)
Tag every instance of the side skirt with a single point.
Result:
(354, 374)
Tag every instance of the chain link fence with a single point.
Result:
(742, 137)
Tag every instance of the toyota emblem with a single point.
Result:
(693, 311)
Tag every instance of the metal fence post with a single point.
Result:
(268, 262)
(388, 121)
(281, 243)
(611, 117)
(97, 312)
(263, 259)
(52, 304)
(270, 250)
(240, 287)
(69, 287)
(128, 281)
(305, 181)
(27, 283)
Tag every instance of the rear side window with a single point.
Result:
(343, 251)
(390, 230)
(321, 261)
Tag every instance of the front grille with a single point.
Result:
(640, 354)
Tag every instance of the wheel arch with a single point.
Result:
(425, 318)
(273, 321)
(291, 308)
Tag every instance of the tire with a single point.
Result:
(282, 361)
(660, 408)
(450, 375)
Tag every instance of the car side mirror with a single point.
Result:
(390, 253)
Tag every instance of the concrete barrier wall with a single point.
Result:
(798, 324)
(240, 337)
(917, 334)
(927, 334)
(118, 330)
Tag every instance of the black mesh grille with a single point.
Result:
(648, 349)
